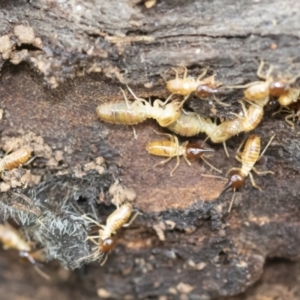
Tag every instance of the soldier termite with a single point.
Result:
(263, 89)
(248, 157)
(172, 149)
(12, 239)
(119, 218)
(15, 159)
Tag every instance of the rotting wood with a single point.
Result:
(207, 253)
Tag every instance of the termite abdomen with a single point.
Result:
(15, 159)
(120, 113)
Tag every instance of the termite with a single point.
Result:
(191, 123)
(139, 110)
(290, 97)
(293, 111)
(119, 218)
(15, 159)
(263, 89)
(250, 155)
(186, 85)
(172, 149)
(11, 239)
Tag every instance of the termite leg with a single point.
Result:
(134, 133)
(259, 71)
(125, 98)
(293, 79)
(176, 166)
(231, 201)
(172, 137)
(262, 172)
(209, 164)
(134, 95)
(91, 238)
(263, 152)
(225, 149)
(132, 219)
(184, 100)
(93, 221)
(220, 102)
(243, 108)
(187, 161)
(202, 74)
(41, 273)
(214, 176)
(185, 72)
(253, 182)
(238, 151)
(242, 86)
(291, 123)
(104, 261)
(162, 103)
(176, 73)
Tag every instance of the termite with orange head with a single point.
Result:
(106, 242)
(172, 149)
(186, 85)
(269, 87)
(250, 155)
(12, 239)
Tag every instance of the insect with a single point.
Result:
(293, 111)
(172, 149)
(186, 85)
(114, 222)
(15, 159)
(12, 239)
(191, 123)
(250, 155)
(263, 89)
(139, 110)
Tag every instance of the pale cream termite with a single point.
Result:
(119, 218)
(186, 85)
(139, 110)
(269, 87)
(191, 123)
(15, 159)
(248, 158)
(171, 148)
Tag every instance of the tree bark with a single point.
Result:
(60, 59)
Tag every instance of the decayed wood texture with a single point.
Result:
(206, 253)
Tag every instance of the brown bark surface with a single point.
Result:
(61, 59)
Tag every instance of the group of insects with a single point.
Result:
(171, 114)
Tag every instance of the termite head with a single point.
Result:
(278, 88)
(169, 114)
(235, 181)
(107, 245)
(194, 150)
(204, 90)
